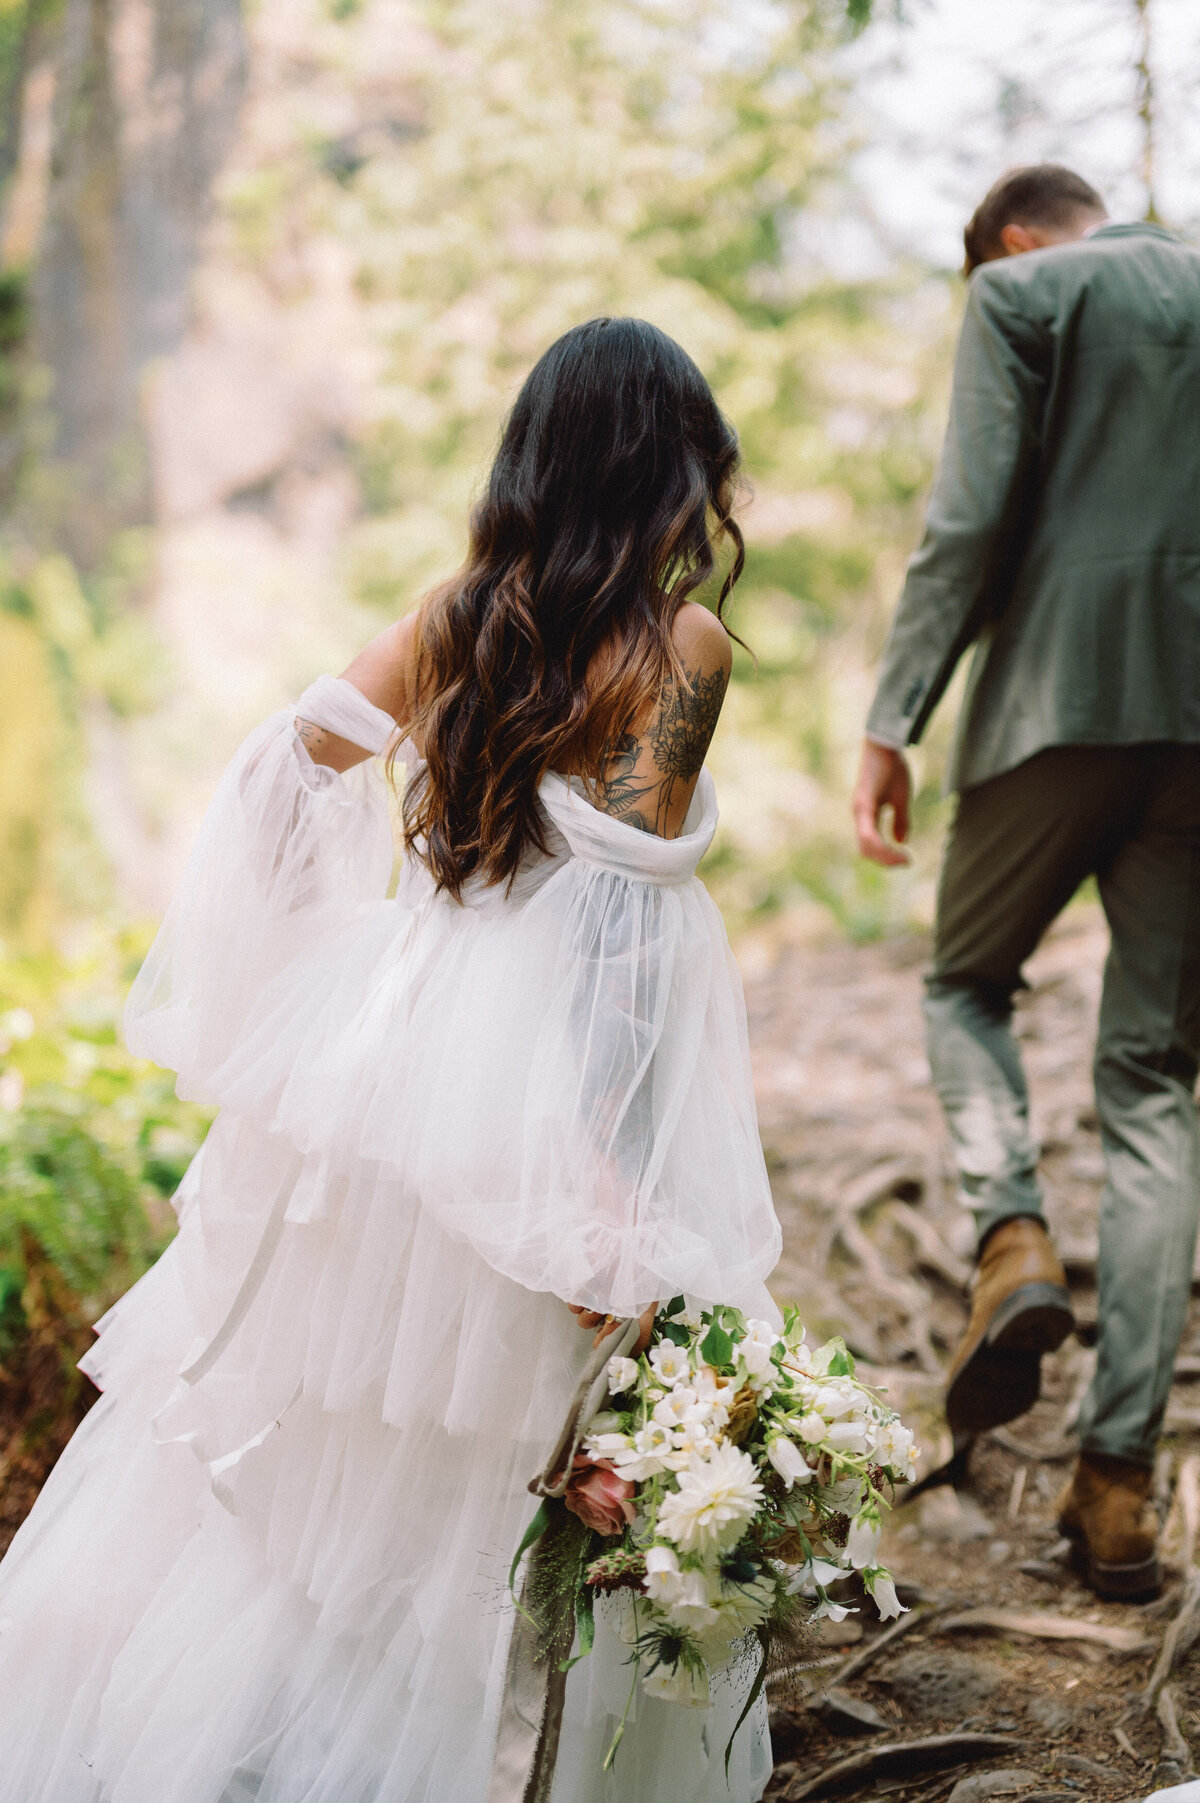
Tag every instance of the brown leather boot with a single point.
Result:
(1020, 1308)
(1106, 1510)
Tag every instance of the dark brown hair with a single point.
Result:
(611, 489)
(1042, 194)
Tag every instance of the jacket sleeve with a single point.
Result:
(978, 511)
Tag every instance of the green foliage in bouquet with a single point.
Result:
(734, 1474)
(92, 1143)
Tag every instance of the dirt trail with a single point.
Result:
(876, 1247)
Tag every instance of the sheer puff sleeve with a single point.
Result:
(287, 849)
(558, 1078)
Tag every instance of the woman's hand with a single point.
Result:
(606, 1324)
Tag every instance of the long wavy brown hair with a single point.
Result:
(611, 490)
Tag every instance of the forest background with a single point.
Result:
(270, 275)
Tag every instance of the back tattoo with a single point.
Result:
(640, 782)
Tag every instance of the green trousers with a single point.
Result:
(1020, 846)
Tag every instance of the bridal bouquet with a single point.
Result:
(733, 1473)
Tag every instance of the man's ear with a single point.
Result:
(1018, 238)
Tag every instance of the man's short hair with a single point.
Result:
(1042, 194)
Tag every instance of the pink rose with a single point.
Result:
(600, 1497)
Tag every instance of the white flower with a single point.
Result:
(849, 1436)
(690, 1607)
(835, 1611)
(662, 1573)
(893, 1448)
(646, 1457)
(883, 1590)
(678, 1683)
(680, 1405)
(622, 1375)
(670, 1362)
(714, 1389)
(832, 1400)
(716, 1496)
(682, 1596)
(755, 1356)
(18, 1024)
(811, 1428)
(762, 1333)
(814, 1574)
(692, 1438)
(607, 1446)
(788, 1460)
(862, 1542)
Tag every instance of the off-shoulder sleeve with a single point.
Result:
(287, 849)
(562, 1084)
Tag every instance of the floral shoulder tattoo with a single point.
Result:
(643, 774)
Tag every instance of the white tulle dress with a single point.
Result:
(272, 1562)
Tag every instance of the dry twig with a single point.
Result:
(1047, 1627)
(1015, 1495)
(1174, 1747)
(931, 1753)
(858, 1661)
(1178, 1641)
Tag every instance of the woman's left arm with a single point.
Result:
(385, 673)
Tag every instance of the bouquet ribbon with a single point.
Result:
(535, 1683)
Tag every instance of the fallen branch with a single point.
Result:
(1178, 1641)
(882, 1177)
(932, 1249)
(845, 1713)
(933, 1753)
(1174, 1747)
(1126, 1745)
(859, 1660)
(908, 1295)
(1017, 1492)
(1047, 1627)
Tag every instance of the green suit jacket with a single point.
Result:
(1063, 531)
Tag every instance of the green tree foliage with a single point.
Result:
(558, 160)
(92, 1145)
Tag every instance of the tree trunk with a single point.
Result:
(146, 100)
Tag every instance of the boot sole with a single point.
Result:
(1002, 1379)
(1114, 1583)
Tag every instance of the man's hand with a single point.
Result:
(883, 782)
(586, 1317)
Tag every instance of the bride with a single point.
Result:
(457, 1122)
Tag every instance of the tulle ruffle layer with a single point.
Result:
(284, 1578)
(272, 1564)
(559, 1077)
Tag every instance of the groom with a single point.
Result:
(1063, 543)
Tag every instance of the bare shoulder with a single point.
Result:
(385, 670)
(652, 777)
(701, 640)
